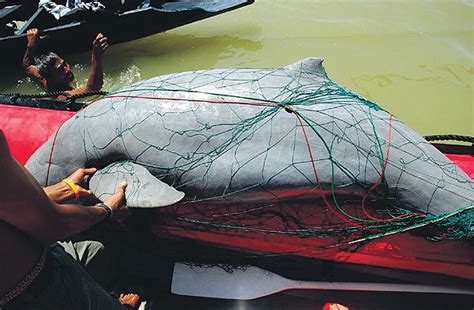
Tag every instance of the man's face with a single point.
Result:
(61, 73)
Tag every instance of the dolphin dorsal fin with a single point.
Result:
(143, 190)
(312, 65)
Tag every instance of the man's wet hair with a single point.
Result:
(45, 63)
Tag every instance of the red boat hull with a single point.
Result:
(28, 128)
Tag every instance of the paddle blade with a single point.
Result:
(243, 283)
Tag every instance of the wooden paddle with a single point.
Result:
(252, 282)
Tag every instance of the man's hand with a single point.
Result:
(62, 191)
(96, 75)
(99, 45)
(117, 201)
(78, 179)
(33, 37)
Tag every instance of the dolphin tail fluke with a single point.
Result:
(143, 190)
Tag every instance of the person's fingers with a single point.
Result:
(104, 43)
(134, 299)
(131, 300)
(33, 34)
(78, 176)
(89, 171)
(121, 188)
(123, 185)
(117, 200)
(83, 191)
(98, 38)
(119, 195)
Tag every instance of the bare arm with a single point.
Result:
(26, 206)
(96, 75)
(33, 38)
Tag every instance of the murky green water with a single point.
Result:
(415, 58)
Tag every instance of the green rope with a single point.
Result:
(299, 99)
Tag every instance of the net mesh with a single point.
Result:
(278, 152)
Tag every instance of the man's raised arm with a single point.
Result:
(33, 38)
(96, 75)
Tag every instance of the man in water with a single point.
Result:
(35, 274)
(54, 74)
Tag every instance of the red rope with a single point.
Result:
(338, 214)
(51, 157)
(259, 103)
(382, 174)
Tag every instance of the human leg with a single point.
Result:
(68, 287)
(96, 257)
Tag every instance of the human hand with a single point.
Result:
(117, 201)
(131, 300)
(33, 37)
(71, 187)
(78, 179)
(100, 44)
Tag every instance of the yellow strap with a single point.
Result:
(73, 187)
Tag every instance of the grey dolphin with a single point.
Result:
(251, 135)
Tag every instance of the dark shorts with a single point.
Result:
(64, 284)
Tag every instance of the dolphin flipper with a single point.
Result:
(143, 190)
